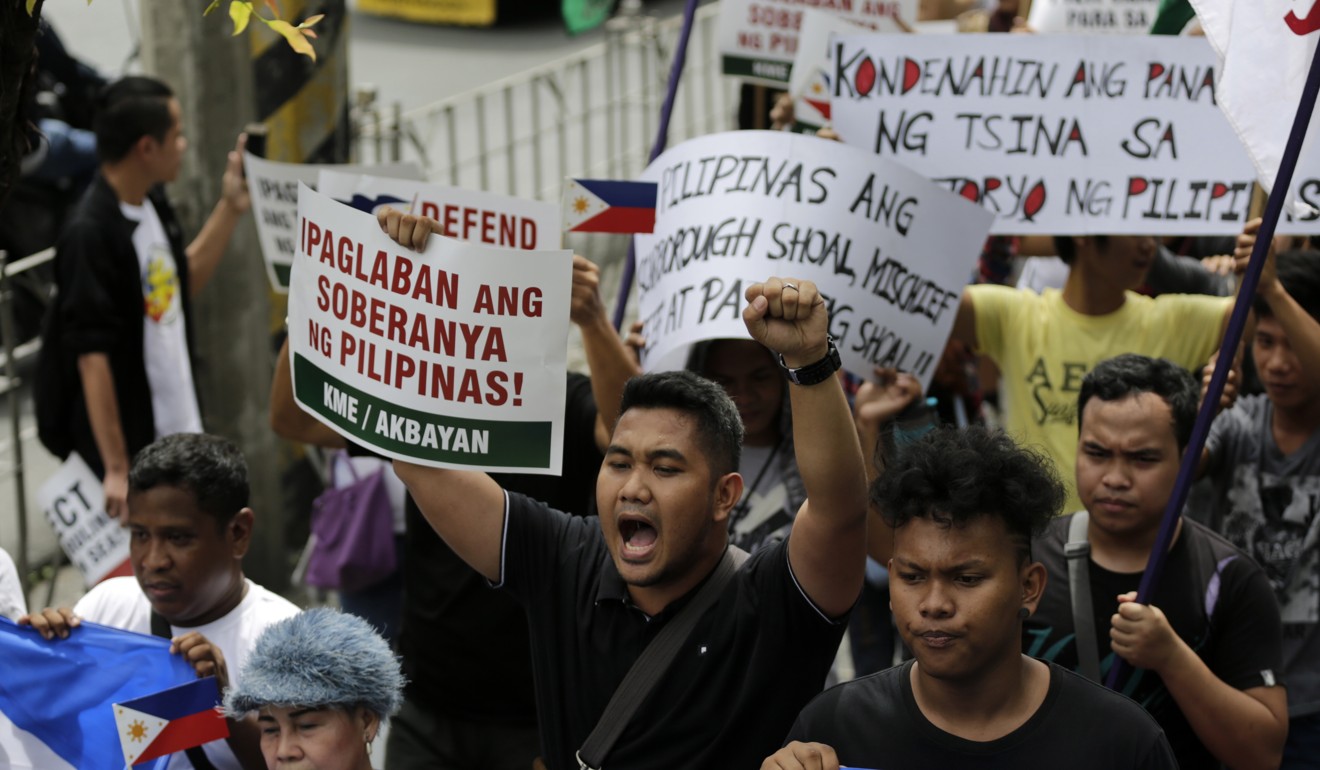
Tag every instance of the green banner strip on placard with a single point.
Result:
(764, 69)
(425, 436)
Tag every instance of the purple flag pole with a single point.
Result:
(1232, 336)
(661, 139)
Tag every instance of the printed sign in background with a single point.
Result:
(890, 251)
(468, 215)
(74, 503)
(809, 84)
(1057, 134)
(454, 357)
(273, 187)
(759, 38)
(1095, 17)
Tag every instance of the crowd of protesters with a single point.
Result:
(763, 503)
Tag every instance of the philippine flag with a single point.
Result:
(170, 721)
(56, 696)
(603, 206)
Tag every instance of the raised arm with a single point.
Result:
(876, 404)
(608, 358)
(289, 420)
(1301, 328)
(827, 546)
(465, 508)
(209, 246)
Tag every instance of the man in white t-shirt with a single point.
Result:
(189, 528)
(116, 371)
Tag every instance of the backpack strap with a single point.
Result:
(1078, 552)
(654, 662)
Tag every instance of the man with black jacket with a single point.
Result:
(117, 364)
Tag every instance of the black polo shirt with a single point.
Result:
(756, 657)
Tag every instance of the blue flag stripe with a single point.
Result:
(636, 195)
(62, 691)
(180, 701)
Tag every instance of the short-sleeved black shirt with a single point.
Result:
(1215, 598)
(753, 660)
(875, 722)
(465, 648)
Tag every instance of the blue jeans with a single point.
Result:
(1302, 751)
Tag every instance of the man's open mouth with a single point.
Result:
(638, 537)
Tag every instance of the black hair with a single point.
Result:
(1129, 374)
(719, 429)
(127, 110)
(1299, 272)
(953, 476)
(210, 467)
(1067, 247)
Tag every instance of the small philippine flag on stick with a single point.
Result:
(605, 206)
(170, 721)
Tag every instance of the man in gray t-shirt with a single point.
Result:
(1263, 459)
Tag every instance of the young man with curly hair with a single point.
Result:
(964, 506)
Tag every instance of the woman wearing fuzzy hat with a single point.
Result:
(322, 682)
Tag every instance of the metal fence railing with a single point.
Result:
(593, 114)
(21, 445)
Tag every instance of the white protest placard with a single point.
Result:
(809, 83)
(273, 187)
(468, 215)
(1055, 134)
(759, 38)
(1095, 17)
(890, 251)
(454, 357)
(74, 503)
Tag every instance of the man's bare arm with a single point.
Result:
(98, 385)
(827, 546)
(465, 508)
(291, 421)
(209, 246)
(608, 358)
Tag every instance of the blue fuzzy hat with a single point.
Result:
(315, 659)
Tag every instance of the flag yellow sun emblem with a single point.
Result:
(137, 731)
(580, 205)
(816, 88)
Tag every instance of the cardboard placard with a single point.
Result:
(454, 357)
(890, 251)
(273, 187)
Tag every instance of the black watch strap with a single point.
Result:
(817, 372)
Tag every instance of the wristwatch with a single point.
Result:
(817, 372)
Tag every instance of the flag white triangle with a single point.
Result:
(580, 204)
(136, 731)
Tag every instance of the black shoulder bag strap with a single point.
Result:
(1078, 552)
(653, 663)
(160, 627)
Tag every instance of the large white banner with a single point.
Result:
(759, 38)
(468, 215)
(1056, 134)
(890, 251)
(454, 357)
(273, 187)
(1096, 17)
